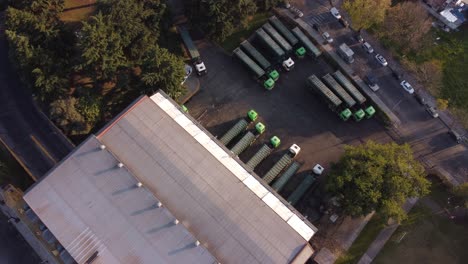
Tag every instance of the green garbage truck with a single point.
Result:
(354, 92)
(263, 152)
(248, 139)
(240, 126)
(334, 103)
(255, 69)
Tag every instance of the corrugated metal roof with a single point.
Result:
(235, 217)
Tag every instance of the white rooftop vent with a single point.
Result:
(159, 204)
(102, 147)
(139, 184)
(176, 221)
(197, 243)
(120, 165)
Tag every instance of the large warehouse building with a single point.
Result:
(155, 187)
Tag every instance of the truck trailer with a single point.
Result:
(248, 139)
(354, 92)
(258, 72)
(297, 194)
(199, 65)
(306, 42)
(284, 178)
(277, 52)
(334, 103)
(285, 160)
(240, 126)
(338, 89)
(346, 53)
(263, 152)
(260, 59)
(277, 37)
(283, 30)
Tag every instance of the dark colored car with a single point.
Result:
(420, 99)
(371, 80)
(359, 38)
(397, 75)
(316, 27)
(343, 22)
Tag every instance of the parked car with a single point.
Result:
(359, 38)
(343, 22)
(407, 87)
(381, 60)
(367, 47)
(327, 37)
(420, 99)
(432, 111)
(316, 27)
(296, 11)
(334, 11)
(455, 136)
(371, 81)
(396, 75)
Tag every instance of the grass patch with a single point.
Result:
(428, 239)
(365, 238)
(78, 10)
(238, 36)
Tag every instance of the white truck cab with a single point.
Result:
(294, 149)
(318, 169)
(288, 64)
(200, 67)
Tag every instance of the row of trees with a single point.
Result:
(404, 24)
(86, 73)
(220, 18)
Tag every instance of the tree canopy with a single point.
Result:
(366, 13)
(377, 177)
(406, 24)
(83, 73)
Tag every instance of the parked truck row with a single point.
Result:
(270, 45)
(282, 170)
(341, 96)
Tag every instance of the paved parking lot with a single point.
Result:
(290, 111)
(427, 136)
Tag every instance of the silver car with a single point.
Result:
(407, 87)
(381, 60)
(367, 47)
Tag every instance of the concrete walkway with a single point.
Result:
(383, 236)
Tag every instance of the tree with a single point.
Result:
(461, 192)
(101, 48)
(162, 70)
(442, 104)
(64, 113)
(219, 18)
(366, 13)
(377, 177)
(406, 24)
(428, 73)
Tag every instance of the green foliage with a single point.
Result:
(366, 13)
(85, 73)
(377, 177)
(162, 70)
(221, 17)
(90, 108)
(100, 47)
(64, 113)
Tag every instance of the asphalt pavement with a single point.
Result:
(13, 248)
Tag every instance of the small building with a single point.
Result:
(451, 13)
(153, 186)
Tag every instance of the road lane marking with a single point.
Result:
(42, 148)
(26, 169)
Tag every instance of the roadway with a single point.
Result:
(428, 136)
(24, 129)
